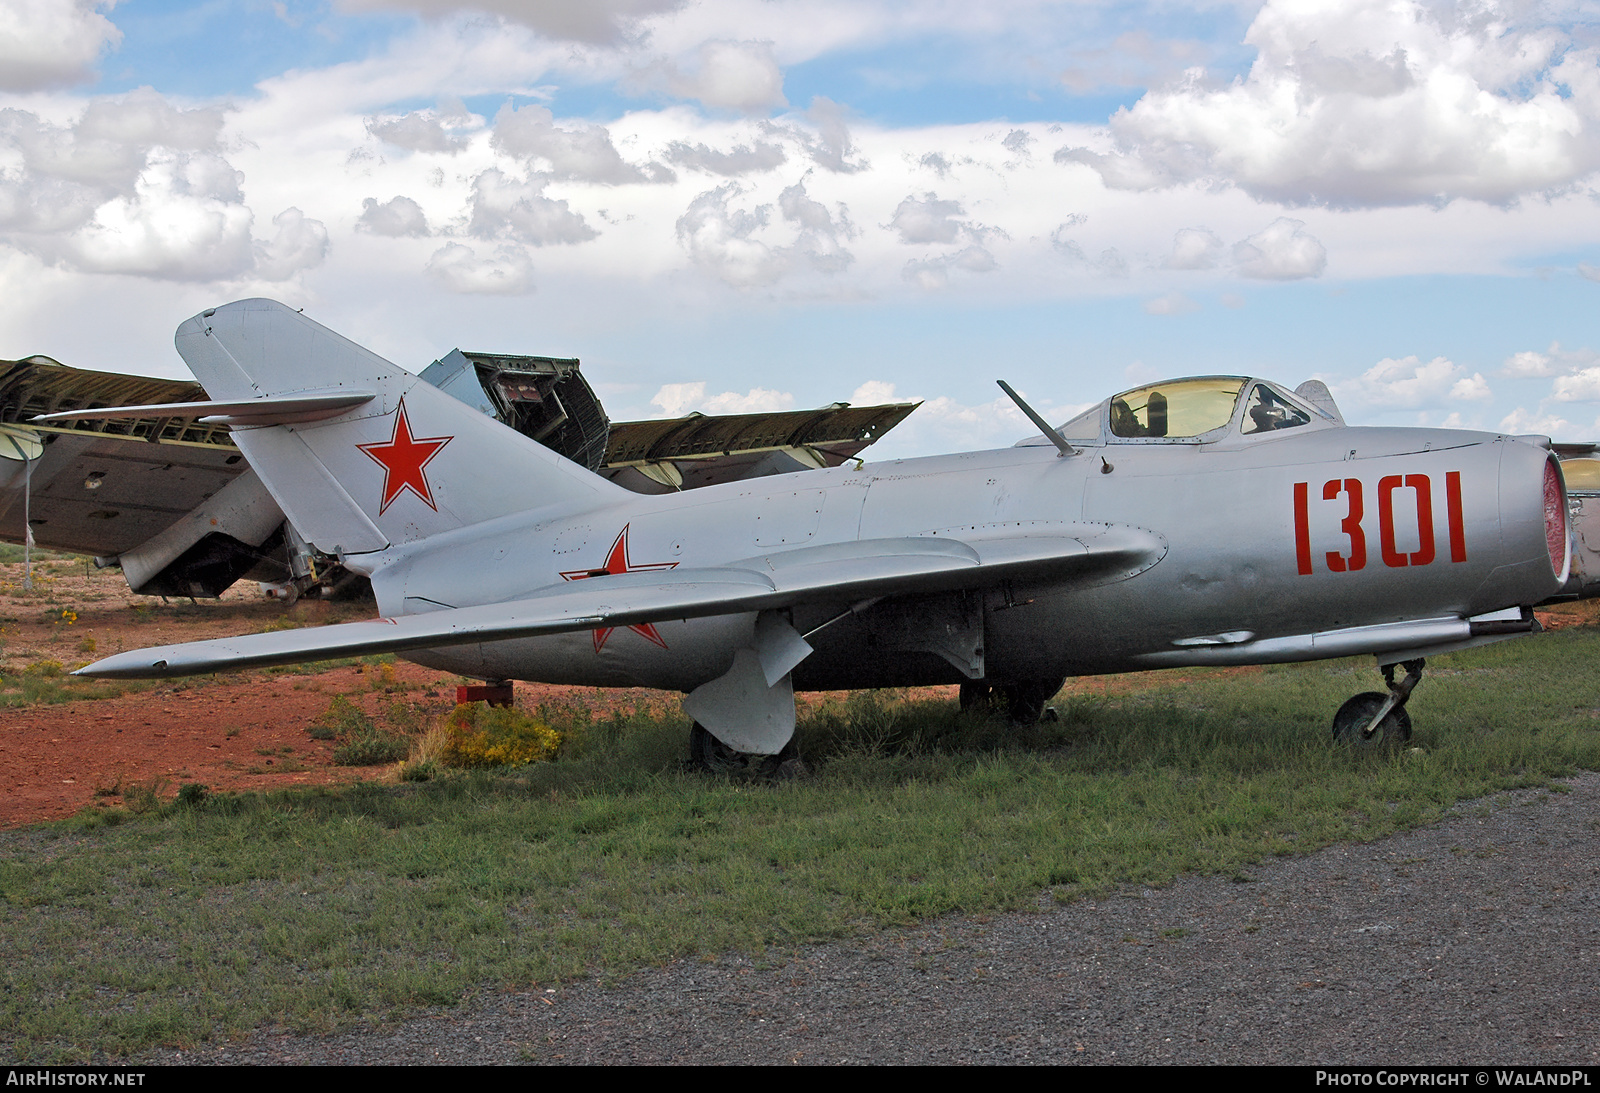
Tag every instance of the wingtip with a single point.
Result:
(122, 666)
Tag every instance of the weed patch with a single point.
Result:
(480, 735)
(361, 743)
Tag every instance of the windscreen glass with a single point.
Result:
(1086, 426)
(1267, 411)
(1181, 408)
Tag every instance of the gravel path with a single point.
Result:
(1477, 940)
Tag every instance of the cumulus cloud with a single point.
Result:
(138, 186)
(1061, 239)
(742, 76)
(585, 154)
(743, 159)
(1372, 102)
(1554, 361)
(425, 130)
(600, 22)
(1017, 142)
(397, 217)
(1581, 386)
(872, 393)
(60, 174)
(721, 239)
(934, 273)
(506, 272)
(927, 220)
(821, 235)
(184, 221)
(930, 219)
(1108, 263)
(1473, 388)
(755, 401)
(506, 208)
(1282, 251)
(298, 243)
(678, 399)
(830, 146)
(52, 43)
(1194, 248)
(1409, 383)
(1520, 422)
(1528, 365)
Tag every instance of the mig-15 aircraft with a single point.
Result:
(1217, 520)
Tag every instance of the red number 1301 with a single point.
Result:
(1354, 557)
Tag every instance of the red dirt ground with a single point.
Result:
(231, 732)
(244, 731)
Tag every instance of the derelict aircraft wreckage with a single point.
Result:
(1204, 521)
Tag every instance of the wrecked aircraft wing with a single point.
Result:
(547, 399)
(694, 451)
(102, 487)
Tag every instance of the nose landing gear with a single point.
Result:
(1372, 719)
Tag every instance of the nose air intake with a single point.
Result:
(1556, 538)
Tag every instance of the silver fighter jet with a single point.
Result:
(1214, 520)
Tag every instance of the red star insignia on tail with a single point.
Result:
(617, 561)
(403, 458)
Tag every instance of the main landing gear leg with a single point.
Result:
(1374, 718)
(1023, 702)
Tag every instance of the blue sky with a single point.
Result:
(745, 204)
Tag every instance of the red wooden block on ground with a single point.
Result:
(495, 694)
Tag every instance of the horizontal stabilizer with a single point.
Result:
(272, 410)
(831, 573)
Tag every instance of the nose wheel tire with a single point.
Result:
(1354, 716)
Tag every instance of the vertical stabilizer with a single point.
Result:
(410, 463)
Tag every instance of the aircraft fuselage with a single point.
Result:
(1269, 541)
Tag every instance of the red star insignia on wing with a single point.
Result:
(403, 459)
(617, 561)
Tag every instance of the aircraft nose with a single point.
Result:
(1535, 551)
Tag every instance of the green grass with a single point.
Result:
(323, 908)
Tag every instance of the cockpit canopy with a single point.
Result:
(1199, 410)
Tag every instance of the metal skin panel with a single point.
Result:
(1299, 541)
(143, 489)
(242, 509)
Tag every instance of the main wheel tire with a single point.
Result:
(1025, 701)
(976, 697)
(1354, 715)
(709, 755)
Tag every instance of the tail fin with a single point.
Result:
(410, 463)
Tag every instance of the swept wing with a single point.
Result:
(840, 572)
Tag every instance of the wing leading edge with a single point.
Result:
(1065, 554)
